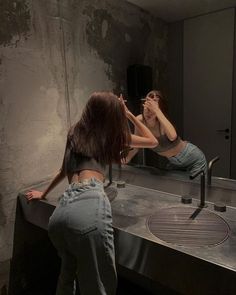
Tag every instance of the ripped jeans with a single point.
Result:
(81, 230)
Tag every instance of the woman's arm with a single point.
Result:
(130, 156)
(135, 138)
(143, 137)
(168, 128)
(34, 194)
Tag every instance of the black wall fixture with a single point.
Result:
(139, 80)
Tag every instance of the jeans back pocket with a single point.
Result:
(82, 215)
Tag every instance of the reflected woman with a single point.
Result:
(81, 225)
(181, 155)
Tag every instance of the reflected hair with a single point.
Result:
(102, 132)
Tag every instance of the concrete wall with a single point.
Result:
(53, 54)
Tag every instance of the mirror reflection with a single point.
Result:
(201, 79)
(180, 154)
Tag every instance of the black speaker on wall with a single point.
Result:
(139, 80)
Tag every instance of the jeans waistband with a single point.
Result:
(76, 189)
(93, 182)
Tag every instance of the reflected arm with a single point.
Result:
(166, 125)
(130, 156)
(137, 136)
(143, 137)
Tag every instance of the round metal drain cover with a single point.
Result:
(188, 226)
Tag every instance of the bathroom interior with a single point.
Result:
(173, 234)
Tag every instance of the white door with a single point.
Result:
(207, 85)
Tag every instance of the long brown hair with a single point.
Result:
(102, 132)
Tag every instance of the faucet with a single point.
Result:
(202, 193)
(110, 177)
(209, 169)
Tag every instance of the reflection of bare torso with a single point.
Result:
(172, 151)
(175, 150)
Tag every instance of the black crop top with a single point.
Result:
(74, 162)
(164, 144)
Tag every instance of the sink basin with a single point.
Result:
(188, 226)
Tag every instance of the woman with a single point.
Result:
(81, 225)
(181, 154)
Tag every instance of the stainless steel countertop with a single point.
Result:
(139, 250)
(135, 204)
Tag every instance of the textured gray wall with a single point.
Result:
(53, 54)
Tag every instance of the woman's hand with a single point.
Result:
(127, 111)
(151, 105)
(34, 195)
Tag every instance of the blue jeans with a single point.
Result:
(81, 230)
(191, 158)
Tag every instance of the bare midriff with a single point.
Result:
(175, 150)
(86, 174)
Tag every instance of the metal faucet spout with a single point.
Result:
(209, 169)
(202, 193)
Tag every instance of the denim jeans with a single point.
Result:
(191, 158)
(81, 230)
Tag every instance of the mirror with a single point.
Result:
(201, 67)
